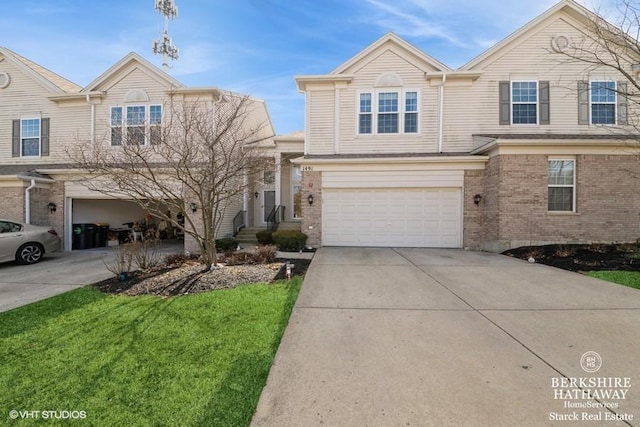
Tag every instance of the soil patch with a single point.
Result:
(593, 257)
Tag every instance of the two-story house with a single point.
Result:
(43, 116)
(519, 146)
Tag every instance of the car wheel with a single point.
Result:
(29, 253)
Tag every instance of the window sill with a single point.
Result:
(563, 213)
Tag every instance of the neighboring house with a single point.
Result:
(42, 115)
(520, 146)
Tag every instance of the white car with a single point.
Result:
(25, 243)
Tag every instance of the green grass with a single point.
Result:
(627, 278)
(197, 360)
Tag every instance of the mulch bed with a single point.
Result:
(190, 277)
(593, 257)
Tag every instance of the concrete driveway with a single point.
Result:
(419, 337)
(56, 273)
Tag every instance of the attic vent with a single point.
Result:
(559, 43)
(4, 80)
(136, 95)
(389, 79)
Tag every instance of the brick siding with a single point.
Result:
(312, 215)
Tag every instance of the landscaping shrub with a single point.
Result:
(177, 259)
(289, 240)
(240, 258)
(146, 253)
(226, 244)
(264, 237)
(266, 253)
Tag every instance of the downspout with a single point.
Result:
(441, 114)
(93, 126)
(27, 201)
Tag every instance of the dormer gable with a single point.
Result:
(391, 42)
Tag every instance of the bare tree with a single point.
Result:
(195, 162)
(613, 46)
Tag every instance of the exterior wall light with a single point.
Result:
(193, 207)
(52, 207)
(477, 198)
(310, 199)
(256, 194)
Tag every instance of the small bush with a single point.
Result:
(266, 253)
(146, 253)
(289, 240)
(240, 258)
(177, 259)
(264, 237)
(122, 260)
(226, 244)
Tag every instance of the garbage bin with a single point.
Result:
(102, 229)
(83, 236)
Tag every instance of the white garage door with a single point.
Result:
(402, 217)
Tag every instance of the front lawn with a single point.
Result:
(196, 360)
(627, 278)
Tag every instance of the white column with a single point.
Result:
(278, 160)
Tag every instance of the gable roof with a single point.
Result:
(130, 58)
(48, 78)
(402, 44)
(569, 7)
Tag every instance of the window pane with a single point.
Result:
(135, 135)
(411, 122)
(365, 102)
(135, 115)
(387, 123)
(603, 92)
(603, 114)
(116, 136)
(525, 91)
(561, 199)
(561, 172)
(411, 102)
(31, 146)
(155, 114)
(31, 128)
(525, 114)
(364, 125)
(388, 102)
(155, 135)
(116, 116)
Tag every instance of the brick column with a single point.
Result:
(312, 214)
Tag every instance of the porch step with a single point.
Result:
(248, 235)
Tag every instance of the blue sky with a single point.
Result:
(255, 46)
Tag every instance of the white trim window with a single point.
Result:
(395, 112)
(562, 185)
(30, 137)
(603, 100)
(524, 102)
(131, 125)
(365, 116)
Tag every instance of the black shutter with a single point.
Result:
(622, 104)
(505, 103)
(15, 139)
(44, 137)
(583, 102)
(545, 107)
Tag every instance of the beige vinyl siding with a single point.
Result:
(117, 89)
(474, 110)
(390, 61)
(321, 121)
(26, 97)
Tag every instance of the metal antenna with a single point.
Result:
(164, 46)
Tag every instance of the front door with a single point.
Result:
(269, 202)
